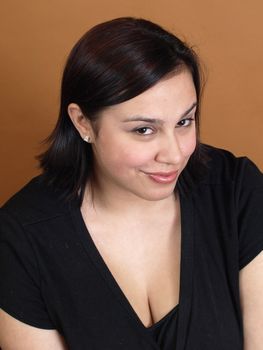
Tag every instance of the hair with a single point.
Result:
(111, 63)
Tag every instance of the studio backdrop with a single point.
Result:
(36, 37)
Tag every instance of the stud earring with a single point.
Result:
(87, 139)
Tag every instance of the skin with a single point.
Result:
(15, 335)
(126, 153)
(251, 287)
(153, 133)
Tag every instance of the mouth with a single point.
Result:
(162, 177)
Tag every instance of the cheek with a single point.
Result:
(189, 145)
(120, 155)
(133, 157)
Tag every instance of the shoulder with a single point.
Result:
(224, 167)
(35, 202)
(231, 192)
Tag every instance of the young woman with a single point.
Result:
(136, 236)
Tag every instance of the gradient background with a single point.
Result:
(36, 37)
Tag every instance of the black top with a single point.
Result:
(165, 331)
(52, 275)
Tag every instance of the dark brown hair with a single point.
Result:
(113, 62)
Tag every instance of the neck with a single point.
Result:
(121, 202)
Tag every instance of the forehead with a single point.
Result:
(170, 96)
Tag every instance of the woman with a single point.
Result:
(136, 236)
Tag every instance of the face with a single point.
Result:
(143, 144)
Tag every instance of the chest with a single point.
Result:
(87, 284)
(144, 260)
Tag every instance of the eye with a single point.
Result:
(185, 122)
(144, 131)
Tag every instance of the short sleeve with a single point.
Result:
(250, 212)
(20, 291)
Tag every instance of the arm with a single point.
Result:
(16, 335)
(20, 293)
(251, 294)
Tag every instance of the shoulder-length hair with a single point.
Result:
(113, 62)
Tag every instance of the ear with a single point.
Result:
(81, 123)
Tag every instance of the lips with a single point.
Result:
(162, 177)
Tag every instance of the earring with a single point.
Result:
(87, 139)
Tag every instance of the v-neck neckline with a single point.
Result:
(186, 268)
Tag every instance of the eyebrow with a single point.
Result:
(138, 118)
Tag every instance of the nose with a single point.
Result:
(169, 150)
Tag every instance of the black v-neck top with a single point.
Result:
(53, 277)
(164, 332)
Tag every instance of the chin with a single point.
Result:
(157, 195)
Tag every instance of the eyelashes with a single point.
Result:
(149, 130)
(185, 122)
(145, 130)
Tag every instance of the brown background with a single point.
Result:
(36, 36)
